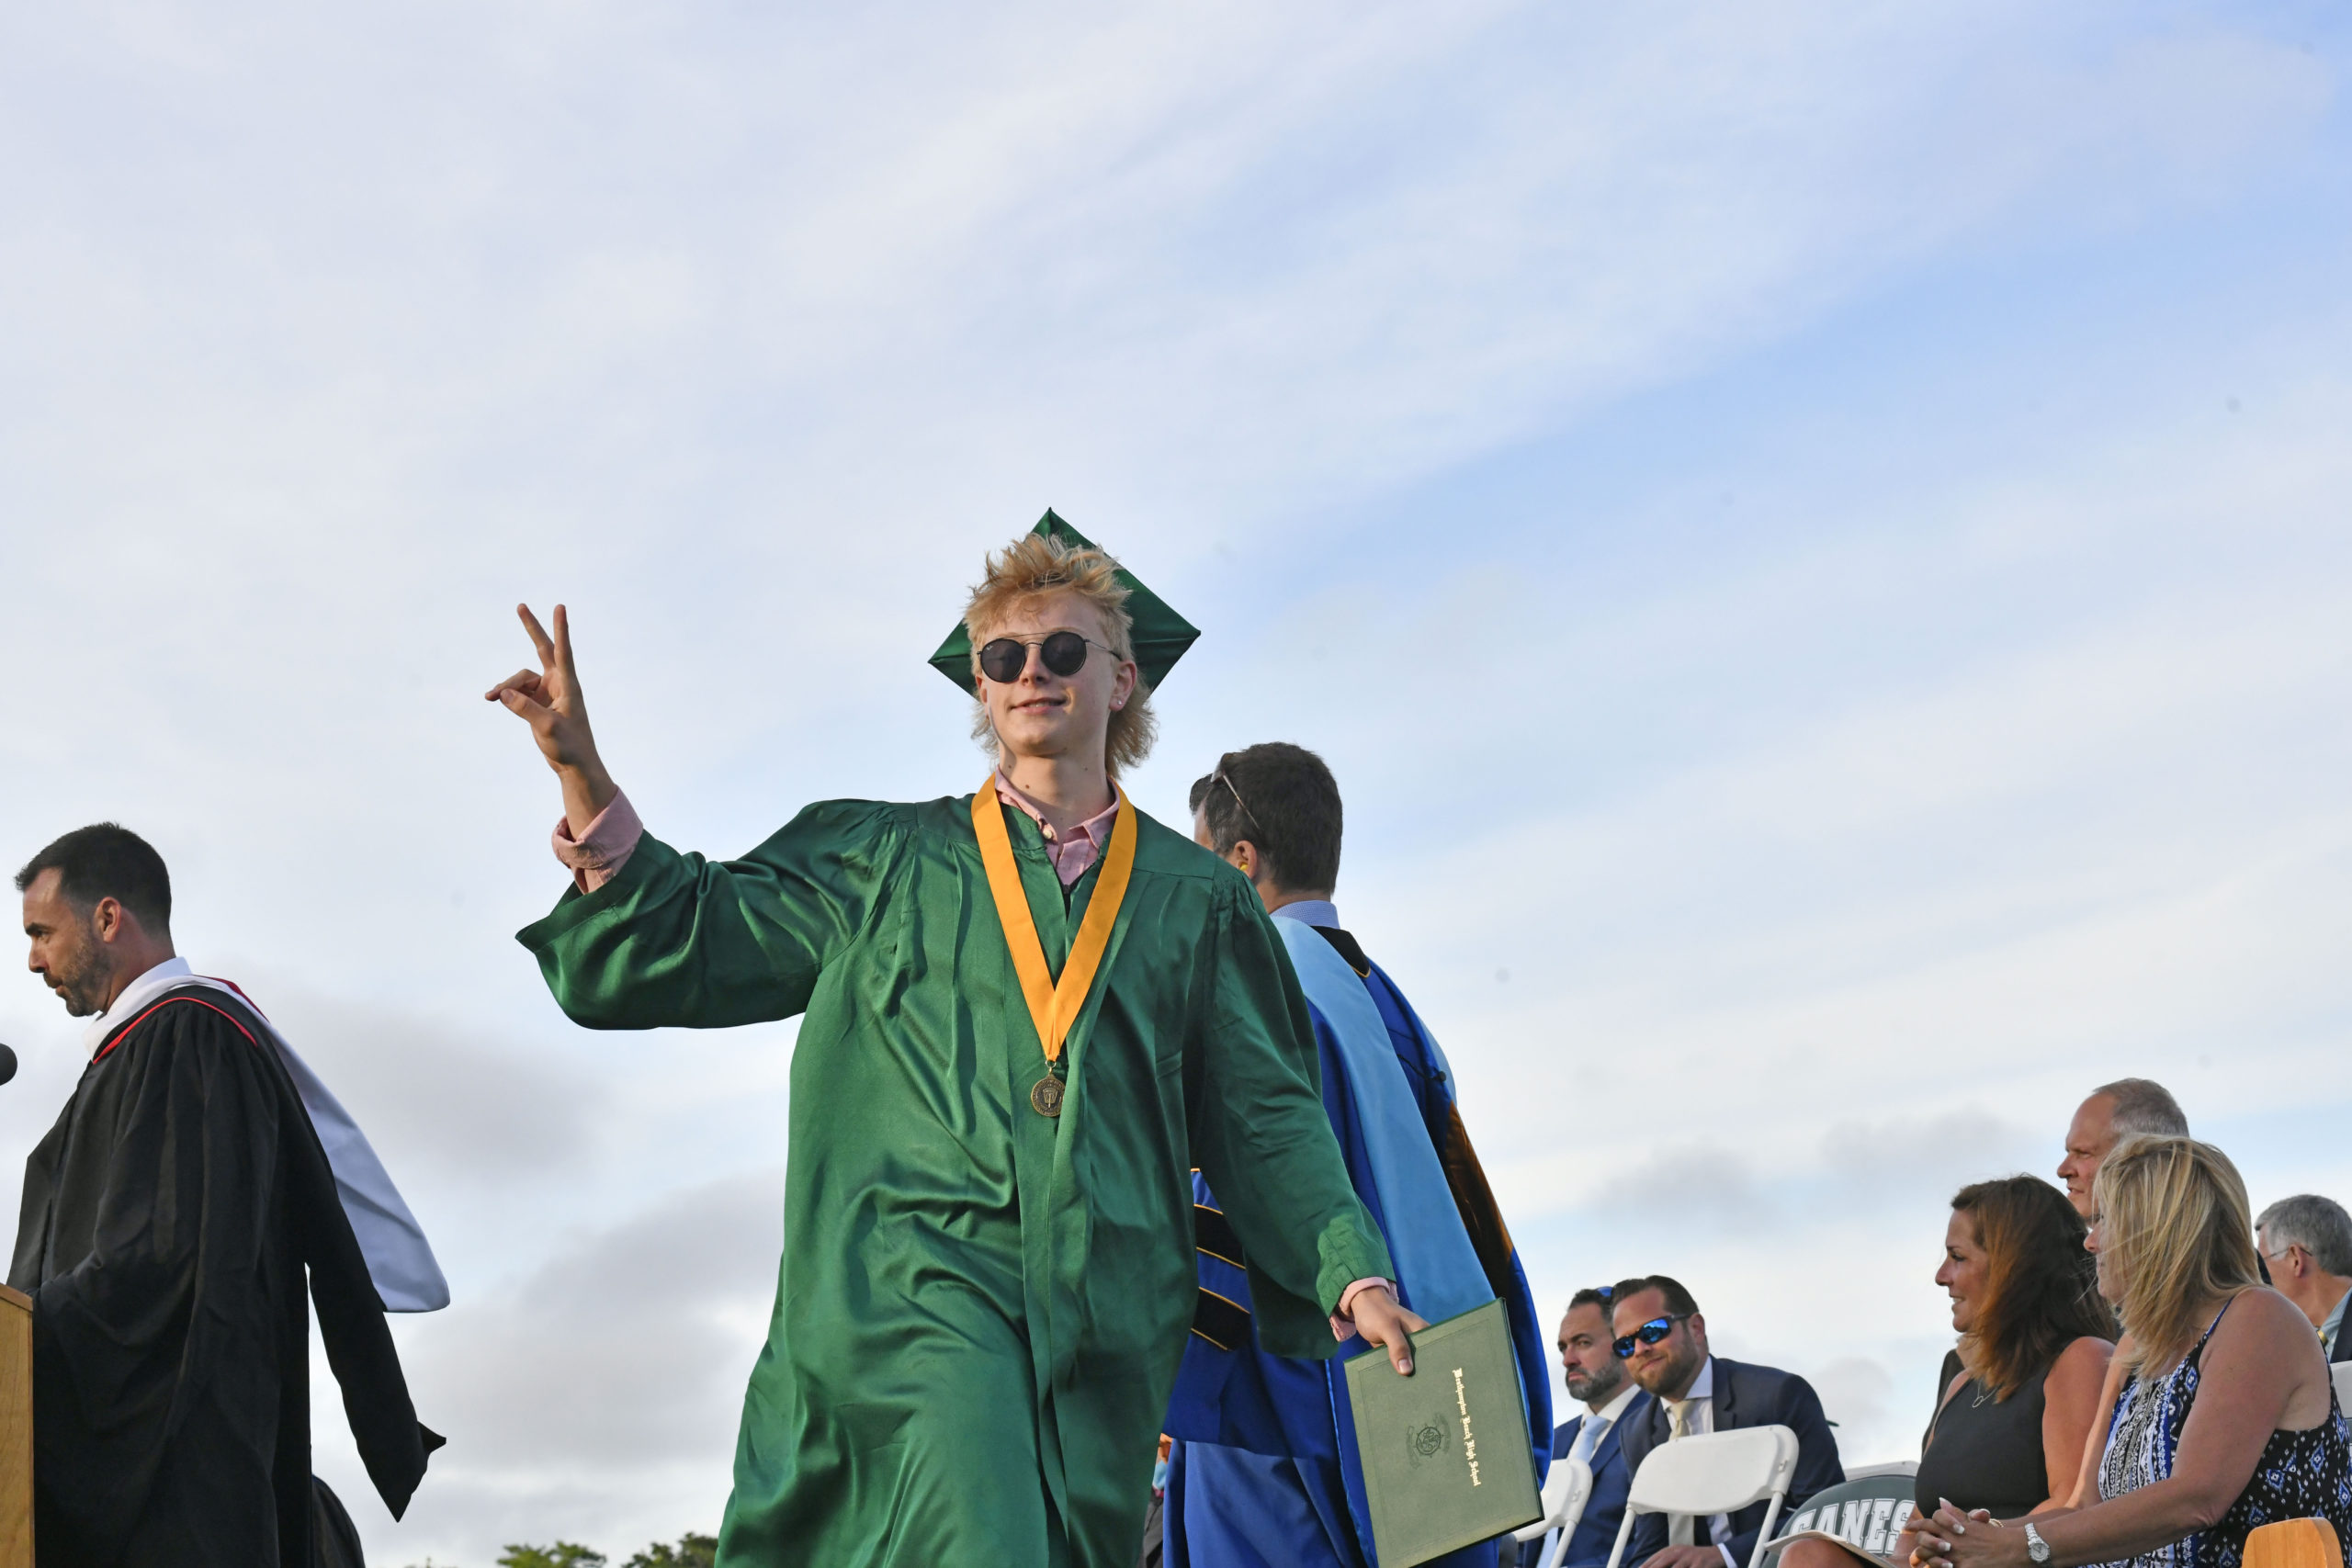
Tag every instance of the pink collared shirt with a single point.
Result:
(596, 857)
(1070, 852)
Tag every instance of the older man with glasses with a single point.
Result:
(2307, 1242)
(1662, 1339)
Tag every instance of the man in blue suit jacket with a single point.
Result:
(1611, 1400)
(1663, 1340)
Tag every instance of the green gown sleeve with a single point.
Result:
(1264, 1141)
(679, 940)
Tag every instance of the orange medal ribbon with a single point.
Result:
(1054, 1005)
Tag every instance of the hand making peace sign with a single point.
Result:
(548, 699)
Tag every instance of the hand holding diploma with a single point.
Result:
(1381, 1322)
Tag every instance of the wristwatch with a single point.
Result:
(2035, 1547)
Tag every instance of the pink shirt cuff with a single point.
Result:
(1343, 1322)
(597, 855)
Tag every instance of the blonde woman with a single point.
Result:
(2226, 1420)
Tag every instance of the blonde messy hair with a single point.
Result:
(2180, 1234)
(1030, 567)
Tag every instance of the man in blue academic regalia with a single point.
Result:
(1266, 1470)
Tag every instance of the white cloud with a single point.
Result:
(594, 1400)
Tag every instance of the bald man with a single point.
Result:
(2114, 1112)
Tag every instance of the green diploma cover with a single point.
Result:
(1445, 1455)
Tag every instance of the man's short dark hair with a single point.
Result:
(2143, 1105)
(1593, 1296)
(106, 859)
(1678, 1299)
(1283, 800)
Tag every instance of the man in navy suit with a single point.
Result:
(1611, 1398)
(1662, 1339)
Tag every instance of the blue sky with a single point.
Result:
(1814, 536)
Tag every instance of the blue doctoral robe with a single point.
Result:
(1265, 1469)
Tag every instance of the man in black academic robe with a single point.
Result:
(169, 1218)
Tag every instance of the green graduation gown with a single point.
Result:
(981, 1310)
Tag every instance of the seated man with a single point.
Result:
(2307, 1241)
(1266, 1470)
(1612, 1401)
(1662, 1337)
(2114, 1112)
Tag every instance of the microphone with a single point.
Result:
(7, 1063)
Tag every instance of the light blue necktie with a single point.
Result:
(1588, 1438)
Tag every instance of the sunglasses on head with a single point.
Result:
(1219, 777)
(1649, 1333)
(1003, 659)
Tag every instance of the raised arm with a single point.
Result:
(676, 939)
(548, 700)
(665, 937)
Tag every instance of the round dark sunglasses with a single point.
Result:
(1003, 659)
(1649, 1333)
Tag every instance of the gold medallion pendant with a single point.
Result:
(1046, 1098)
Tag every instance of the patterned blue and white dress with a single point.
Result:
(2301, 1475)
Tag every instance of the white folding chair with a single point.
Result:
(1720, 1472)
(1892, 1466)
(2342, 1373)
(1565, 1492)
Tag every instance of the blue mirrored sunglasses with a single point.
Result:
(1649, 1333)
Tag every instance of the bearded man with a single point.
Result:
(1029, 1013)
(199, 1185)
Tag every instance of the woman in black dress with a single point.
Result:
(2020, 1392)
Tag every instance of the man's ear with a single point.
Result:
(107, 920)
(1245, 855)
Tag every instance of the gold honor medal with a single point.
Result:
(1054, 1005)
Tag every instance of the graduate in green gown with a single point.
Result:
(1029, 1013)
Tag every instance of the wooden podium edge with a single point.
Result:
(16, 1428)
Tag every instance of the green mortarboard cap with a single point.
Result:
(1159, 634)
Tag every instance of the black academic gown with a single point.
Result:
(168, 1220)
